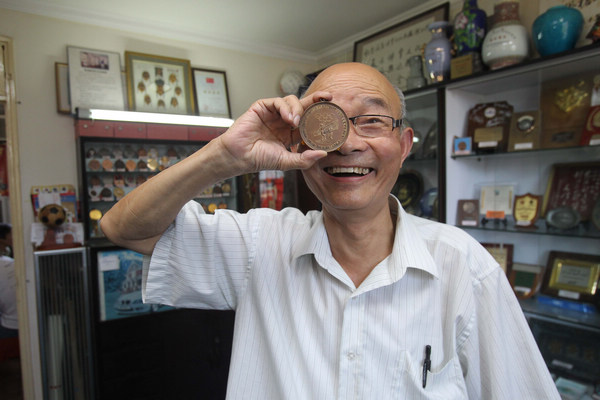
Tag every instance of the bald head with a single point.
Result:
(357, 75)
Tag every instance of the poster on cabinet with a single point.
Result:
(94, 79)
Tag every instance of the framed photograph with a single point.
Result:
(502, 253)
(94, 79)
(159, 84)
(61, 77)
(210, 92)
(526, 279)
(389, 50)
(572, 276)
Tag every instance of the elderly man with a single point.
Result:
(357, 301)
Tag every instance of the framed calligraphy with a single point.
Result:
(573, 185)
(389, 50)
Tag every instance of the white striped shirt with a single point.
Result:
(304, 331)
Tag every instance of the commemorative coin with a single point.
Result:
(324, 126)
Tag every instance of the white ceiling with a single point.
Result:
(299, 29)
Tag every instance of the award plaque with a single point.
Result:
(524, 131)
(462, 146)
(591, 130)
(526, 279)
(527, 210)
(467, 213)
(489, 125)
(574, 185)
(572, 276)
(502, 253)
(465, 65)
(564, 107)
(563, 218)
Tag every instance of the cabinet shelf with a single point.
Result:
(581, 231)
(584, 151)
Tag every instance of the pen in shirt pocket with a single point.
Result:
(426, 364)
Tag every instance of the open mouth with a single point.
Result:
(347, 171)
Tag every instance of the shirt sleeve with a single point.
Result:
(500, 358)
(201, 261)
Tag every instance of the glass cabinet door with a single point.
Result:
(420, 186)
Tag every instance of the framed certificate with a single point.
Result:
(210, 90)
(572, 276)
(502, 253)
(94, 79)
(496, 201)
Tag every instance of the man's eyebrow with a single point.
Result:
(376, 101)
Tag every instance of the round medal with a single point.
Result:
(324, 126)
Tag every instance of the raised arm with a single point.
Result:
(259, 140)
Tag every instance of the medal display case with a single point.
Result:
(538, 151)
(420, 184)
(111, 168)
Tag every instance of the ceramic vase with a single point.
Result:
(557, 30)
(415, 79)
(506, 43)
(469, 28)
(437, 52)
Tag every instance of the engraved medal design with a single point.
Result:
(324, 126)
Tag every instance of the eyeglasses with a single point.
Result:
(373, 125)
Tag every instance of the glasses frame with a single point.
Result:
(396, 123)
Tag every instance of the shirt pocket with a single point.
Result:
(444, 382)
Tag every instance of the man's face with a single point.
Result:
(374, 162)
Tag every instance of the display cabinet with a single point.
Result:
(528, 170)
(421, 183)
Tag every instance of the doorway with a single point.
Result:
(20, 367)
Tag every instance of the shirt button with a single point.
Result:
(351, 356)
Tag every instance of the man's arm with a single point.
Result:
(258, 140)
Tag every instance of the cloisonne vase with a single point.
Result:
(557, 30)
(507, 42)
(469, 28)
(437, 52)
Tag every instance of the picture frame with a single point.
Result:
(159, 84)
(573, 185)
(502, 253)
(526, 279)
(572, 276)
(94, 79)
(211, 93)
(462, 146)
(389, 50)
(496, 201)
(61, 77)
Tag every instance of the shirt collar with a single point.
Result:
(409, 251)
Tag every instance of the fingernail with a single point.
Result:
(297, 120)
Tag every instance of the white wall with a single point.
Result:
(46, 139)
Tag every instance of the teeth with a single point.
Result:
(348, 170)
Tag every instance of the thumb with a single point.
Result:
(303, 160)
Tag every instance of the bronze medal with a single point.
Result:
(324, 126)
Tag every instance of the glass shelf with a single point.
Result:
(586, 150)
(539, 309)
(583, 230)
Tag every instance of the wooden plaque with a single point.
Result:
(524, 131)
(488, 125)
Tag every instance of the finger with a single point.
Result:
(316, 97)
(304, 160)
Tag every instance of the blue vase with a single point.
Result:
(557, 30)
(437, 52)
(469, 28)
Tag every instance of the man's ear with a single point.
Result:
(406, 141)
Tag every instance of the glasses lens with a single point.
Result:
(373, 125)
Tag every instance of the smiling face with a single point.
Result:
(361, 174)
